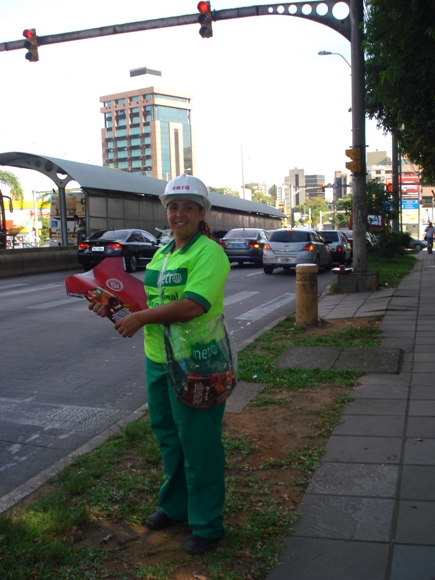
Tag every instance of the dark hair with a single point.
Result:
(204, 228)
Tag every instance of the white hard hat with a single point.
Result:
(186, 187)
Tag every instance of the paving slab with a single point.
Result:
(345, 518)
(416, 562)
(373, 360)
(371, 426)
(418, 482)
(376, 407)
(355, 479)
(331, 560)
(363, 449)
(415, 523)
(419, 451)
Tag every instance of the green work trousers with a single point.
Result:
(192, 453)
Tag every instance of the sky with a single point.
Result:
(264, 101)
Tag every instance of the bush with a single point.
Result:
(391, 243)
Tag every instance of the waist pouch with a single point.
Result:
(201, 362)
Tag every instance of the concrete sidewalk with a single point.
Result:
(369, 511)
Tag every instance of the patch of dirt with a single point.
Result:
(275, 431)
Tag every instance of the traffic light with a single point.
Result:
(388, 187)
(355, 166)
(323, 187)
(204, 20)
(31, 44)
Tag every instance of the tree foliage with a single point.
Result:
(225, 191)
(12, 181)
(378, 202)
(400, 84)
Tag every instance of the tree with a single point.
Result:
(12, 181)
(224, 191)
(400, 84)
(378, 202)
(273, 194)
(316, 205)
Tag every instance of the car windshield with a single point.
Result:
(242, 234)
(330, 235)
(289, 236)
(111, 235)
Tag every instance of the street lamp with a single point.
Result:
(327, 53)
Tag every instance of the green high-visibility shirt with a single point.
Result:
(198, 271)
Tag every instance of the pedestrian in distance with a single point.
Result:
(184, 283)
(430, 231)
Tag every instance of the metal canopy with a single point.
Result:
(62, 171)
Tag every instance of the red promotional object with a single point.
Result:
(110, 285)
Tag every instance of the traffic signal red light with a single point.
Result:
(205, 19)
(388, 187)
(31, 43)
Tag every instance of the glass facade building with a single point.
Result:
(148, 131)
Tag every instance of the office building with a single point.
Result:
(148, 131)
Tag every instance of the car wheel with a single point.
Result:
(418, 247)
(268, 269)
(131, 264)
(317, 261)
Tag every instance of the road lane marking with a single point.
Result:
(27, 290)
(238, 297)
(267, 307)
(52, 304)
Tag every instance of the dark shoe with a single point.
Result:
(159, 521)
(197, 545)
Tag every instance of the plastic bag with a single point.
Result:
(201, 362)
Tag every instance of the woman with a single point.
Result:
(184, 281)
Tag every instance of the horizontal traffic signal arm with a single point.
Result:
(340, 26)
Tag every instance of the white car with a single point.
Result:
(288, 247)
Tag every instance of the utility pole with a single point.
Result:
(359, 204)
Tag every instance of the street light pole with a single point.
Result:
(328, 53)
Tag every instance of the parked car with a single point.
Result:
(137, 247)
(287, 248)
(340, 246)
(417, 244)
(349, 235)
(245, 245)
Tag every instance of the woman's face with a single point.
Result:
(183, 219)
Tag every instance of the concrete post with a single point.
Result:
(306, 294)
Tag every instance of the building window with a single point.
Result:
(121, 133)
(121, 143)
(120, 101)
(123, 165)
(110, 155)
(135, 131)
(135, 142)
(109, 144)
(122, 122)
(109, 134)
(136, 163)
(134, 99)
(147, 140)
(122, 154)
(135, 152)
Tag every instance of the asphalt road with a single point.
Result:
(67, 378)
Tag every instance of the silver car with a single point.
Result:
(289, 247)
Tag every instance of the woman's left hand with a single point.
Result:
(129, 325)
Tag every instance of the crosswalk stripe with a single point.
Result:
(264, 309)
(52, 304)
(238, 297)
(27, 290)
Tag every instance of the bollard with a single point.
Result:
(306, 294)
